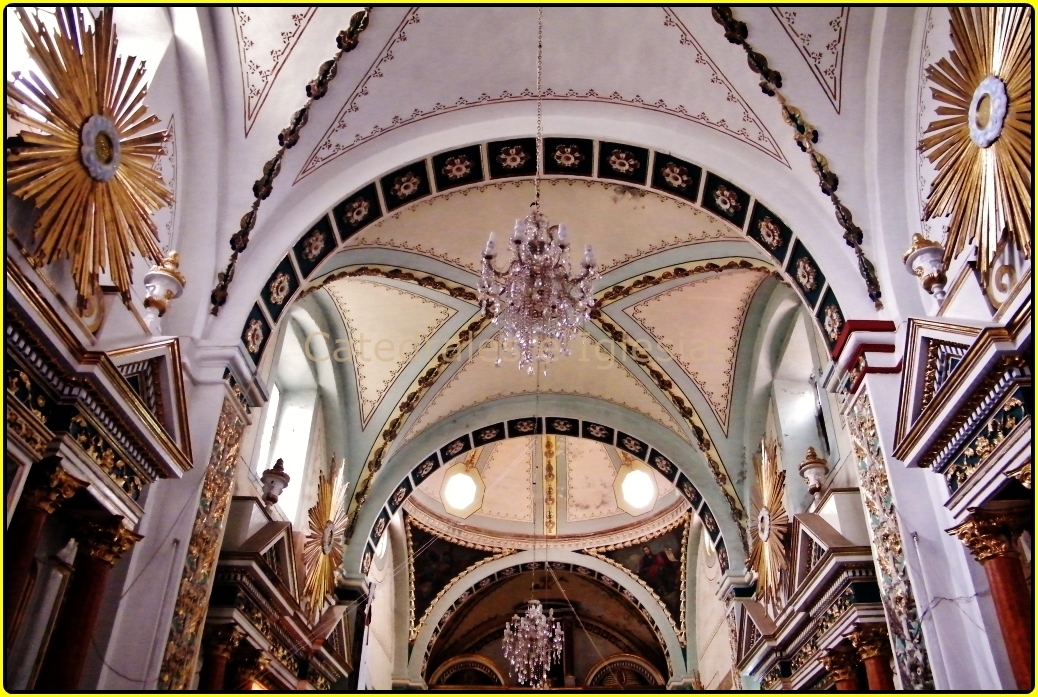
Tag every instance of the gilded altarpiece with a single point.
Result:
(903, 621)
(185, 632)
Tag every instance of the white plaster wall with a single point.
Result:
(377, 655)
(712, 646)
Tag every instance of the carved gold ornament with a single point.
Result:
(322, 550)
(981, 142)
(768, 533)
(86, 163)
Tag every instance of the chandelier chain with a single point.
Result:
(539, 143)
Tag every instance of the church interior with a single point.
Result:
(307, 390)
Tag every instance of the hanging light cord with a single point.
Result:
(540, 112)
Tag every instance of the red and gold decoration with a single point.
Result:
(768, 534)
(87, 159)
(981, 140)
(322, 551)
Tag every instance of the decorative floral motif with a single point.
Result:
(254, 336)
(568, 156)
(807, 275)
(770, 232)
(426, 467)
(676, 176)
(561, 425)
(405, 185)
(513, 157)
(597, 431)
(313, 245)
(488, 433)
(727, 200)
(399, 495)
(280, 288)
(663, 464)
(357, 210)
(623, 162)
(632, 444)
(455, 447)
(525, 426)
(457, 167)
(833, 322)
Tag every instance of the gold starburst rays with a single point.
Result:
(981, 142)
(322, 550)
(768, 533)
(87, 161)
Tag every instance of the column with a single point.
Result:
(840, 665)
(873, 646)
(219, 642)
(990, 533)
(48, 488)
(100, 544)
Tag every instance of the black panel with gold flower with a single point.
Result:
(572, 156)
(426, 467)
(314, 246)
(722, 556)
(279, 288)
(805, 273)
(597, 432)
(488, 434)
(524, 427)
(726, 199)
(561, 426)
(676, 177)
(405, 185)
(399, 495)
(455, 447)
(830, 316)
(770, 232)
(689, 491)
(512, 158)
(355, 212)
(624, 162)
(632, 445)
(709, 522)
(458, 167)
(255, 333)
(662, 464)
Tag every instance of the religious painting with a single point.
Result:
(658, 562)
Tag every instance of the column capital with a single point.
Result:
(50, 485)
(105, 539)
(870, 640)
(990, 531)
(223, 639)
(839, 664)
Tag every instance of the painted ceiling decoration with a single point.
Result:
(713, 309)
(87, 161)
(436, 564)
(820, 36)
(714, 103)
(509, 479)
(380, 316)
(346, 41)
(589, 481)
(981, 143)
(805, 136)
(266, 37)
(479, 381)
(658, 563)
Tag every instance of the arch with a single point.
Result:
(471, 661)
(633, 592)
(609, 665)
(511, 417)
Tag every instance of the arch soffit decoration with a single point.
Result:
(629, 661)
(469, 661)
(507, 567)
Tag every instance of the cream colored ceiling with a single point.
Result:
(387, 327)
(699, 324)
(508, 476)
(622, 223)
(590, 370)
(590, 474)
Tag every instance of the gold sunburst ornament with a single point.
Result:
(768, 534)
(86, 162)
(981, 142)
(322, 550)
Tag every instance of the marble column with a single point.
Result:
(219, 642)
(990, 534)
(873, 646)
(48, 488)
(99, 544)
(840, 666)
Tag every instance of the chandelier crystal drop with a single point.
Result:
(532, 642)
(537, 302)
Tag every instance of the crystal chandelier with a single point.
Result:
(531, 643)
(537, 302)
